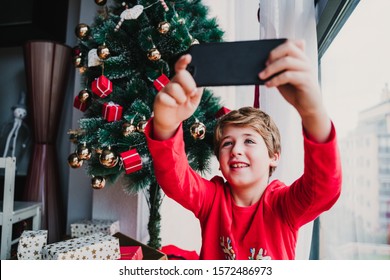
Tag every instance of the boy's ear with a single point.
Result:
(275, 160)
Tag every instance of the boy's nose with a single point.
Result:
(236, 150)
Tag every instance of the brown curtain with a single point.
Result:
(47, 67)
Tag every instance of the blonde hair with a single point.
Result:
(256, 119)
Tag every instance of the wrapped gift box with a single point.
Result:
(160, 82)
(131, 161)
(30, 244)
(97, 246)
(131, 253)
(112, 112)
(101, 86)
(148, 253)
(88, 227)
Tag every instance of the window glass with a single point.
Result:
(355, 81)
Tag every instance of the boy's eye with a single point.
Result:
(226, 143)
(249, 141)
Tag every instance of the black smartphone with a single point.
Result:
(230, 63)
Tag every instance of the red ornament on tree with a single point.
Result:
(102, 86)
(221, 112)
(131, 161)
(82, 106)
(112, 112)
(161, 82)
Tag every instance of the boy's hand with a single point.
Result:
(298, 84)
(176, 102)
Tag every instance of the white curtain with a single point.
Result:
(293, 19)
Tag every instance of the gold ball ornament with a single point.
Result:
(98, 182)
(74, 161)
(83, 152)
(128, 128)
(163, 27)
(103, 52)
(108, 158)
(82, 31)
(101, 2)
(154, 54)
(198, 130)
(84, 95)
(141, 126)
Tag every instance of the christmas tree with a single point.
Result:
(125, 57)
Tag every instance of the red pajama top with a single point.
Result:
(269, 228)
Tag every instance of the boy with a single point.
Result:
(246, 217)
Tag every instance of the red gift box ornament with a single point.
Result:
(82, 106)
(161, 82)
(221, 112)
(102, 86)
(131, 161)
(112, 112)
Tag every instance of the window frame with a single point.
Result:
(331, 17)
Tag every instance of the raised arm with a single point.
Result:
(298, 84)
(176, 102)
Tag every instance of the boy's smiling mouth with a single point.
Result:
(238, 165)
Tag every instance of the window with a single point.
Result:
(355, 85)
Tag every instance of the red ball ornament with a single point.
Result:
(76, 51)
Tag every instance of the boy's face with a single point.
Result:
(244, 159)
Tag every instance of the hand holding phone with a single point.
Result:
(230, 63)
